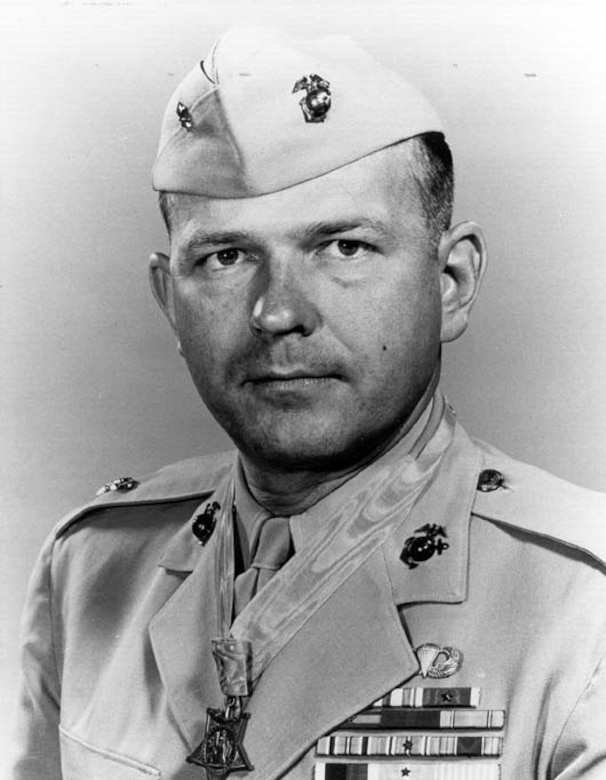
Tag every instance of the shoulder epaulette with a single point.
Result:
(533, 500)
(176, 482)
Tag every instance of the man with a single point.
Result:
(360, 591)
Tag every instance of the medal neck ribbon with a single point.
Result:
(349, 537)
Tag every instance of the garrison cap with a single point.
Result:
(262, 113)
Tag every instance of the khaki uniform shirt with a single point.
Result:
(118, 671)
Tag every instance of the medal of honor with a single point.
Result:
(221, 751)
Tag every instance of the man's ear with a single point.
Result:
(162, 285)
(462, 256)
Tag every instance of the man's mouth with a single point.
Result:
(291, 380)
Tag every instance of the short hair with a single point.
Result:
(433, 171)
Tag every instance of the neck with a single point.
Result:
(293, 492)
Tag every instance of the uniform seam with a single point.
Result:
(566, 545)
(596, 669)
(52, 630)
(216, 91)
(109, 754)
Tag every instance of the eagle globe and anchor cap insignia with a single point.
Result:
(317, 100)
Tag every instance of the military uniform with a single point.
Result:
(119, 674)
(453, 627)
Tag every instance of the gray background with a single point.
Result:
(92, 386)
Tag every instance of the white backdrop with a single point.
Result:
(92, 387)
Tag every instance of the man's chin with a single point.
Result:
(313, 447)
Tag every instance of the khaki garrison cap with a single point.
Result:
(263, 113)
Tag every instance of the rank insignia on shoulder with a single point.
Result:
(122, 484)
(317, 101)
(423, 544)
(204, 524)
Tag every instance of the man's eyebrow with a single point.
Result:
(332, 227)
(202, 237)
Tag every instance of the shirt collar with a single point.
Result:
(304, 526)
(447, 504)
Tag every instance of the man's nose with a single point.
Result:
(283, 303)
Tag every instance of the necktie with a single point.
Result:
(274, 548)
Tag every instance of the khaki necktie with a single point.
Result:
(274, 548)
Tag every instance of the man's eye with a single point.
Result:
(225, 257)
(346, 248)
(349, 248)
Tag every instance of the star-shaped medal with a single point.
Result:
(221, 751)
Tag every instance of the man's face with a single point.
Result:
(309, 318)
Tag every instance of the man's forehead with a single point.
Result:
(263, 113)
